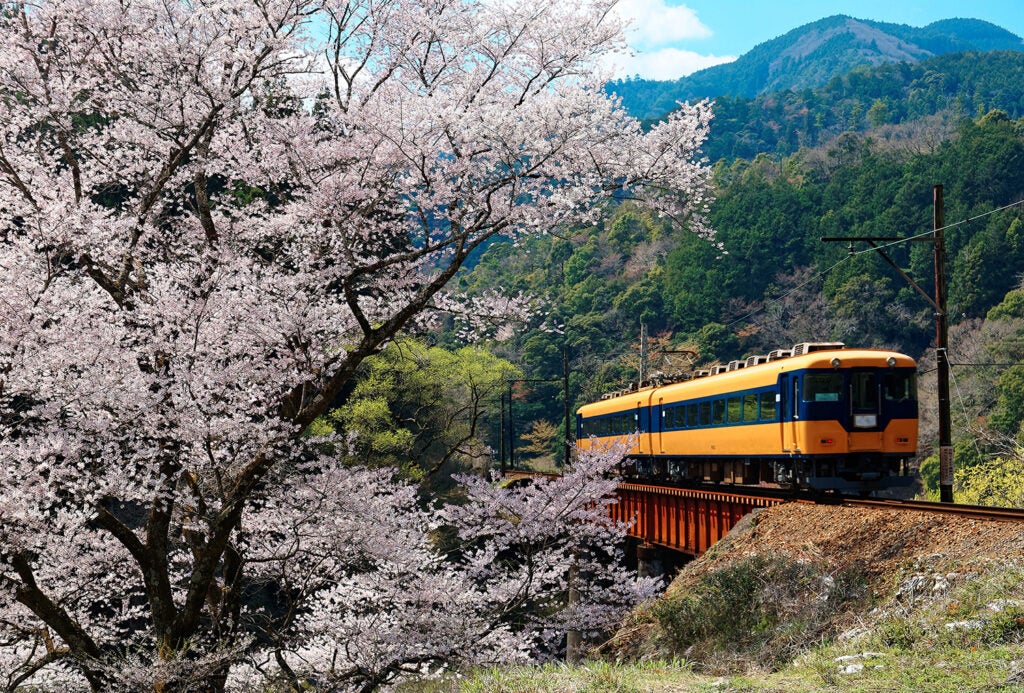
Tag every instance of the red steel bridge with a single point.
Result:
(686, 520)
(689, 521)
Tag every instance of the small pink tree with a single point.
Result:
(210, 215)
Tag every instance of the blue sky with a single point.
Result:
(677, 37)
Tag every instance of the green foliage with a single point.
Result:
(715, 342)
(1012, 305)
(422, 409)
(1009, 410)
(967, 454)
(997, 482)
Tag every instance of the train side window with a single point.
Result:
(705, 413)
(750, 407)
(691, 416)
(734, 409)
(823, 387)
(718, 411)
(768, 406)
(670, 417)
(680, 417)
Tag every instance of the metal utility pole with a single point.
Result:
(946, 464)
(511, 429)
(565, 395)
(643, 355)
(501, 434)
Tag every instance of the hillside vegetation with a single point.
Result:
(858, 156)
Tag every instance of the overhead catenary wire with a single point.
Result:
(852, 254)
(963, 407)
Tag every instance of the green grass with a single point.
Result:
(589, 677)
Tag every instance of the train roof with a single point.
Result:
(755, 371)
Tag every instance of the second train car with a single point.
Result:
(818, 416)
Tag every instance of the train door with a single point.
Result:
(865, 410)
(660, 447)
(789, 411)
(865, 399)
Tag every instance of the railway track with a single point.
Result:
(763, 496)
(977, 512)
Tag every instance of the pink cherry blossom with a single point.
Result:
(210, 214)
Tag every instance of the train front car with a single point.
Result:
(818, 416)
(848, 419)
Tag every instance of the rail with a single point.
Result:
(976, 512)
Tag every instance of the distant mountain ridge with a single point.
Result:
(810, 55)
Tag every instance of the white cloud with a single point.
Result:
(655, 23)
(666, 63)
(654, 27)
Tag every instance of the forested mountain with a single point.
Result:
(884, 98)
(811, 55)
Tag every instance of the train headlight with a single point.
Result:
(836, 363)
(891, 362)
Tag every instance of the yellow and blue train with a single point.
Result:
(818, 416)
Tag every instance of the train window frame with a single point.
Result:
(705, 413)
(692, 416)
(864, 390)
(909, 381)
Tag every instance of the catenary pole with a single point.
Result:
(565, 394)
(946, 464)
(938, 241)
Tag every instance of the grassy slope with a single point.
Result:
(813, 599)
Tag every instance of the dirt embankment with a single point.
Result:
(792, 577)
(880, 542)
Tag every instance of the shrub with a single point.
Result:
(768, 608)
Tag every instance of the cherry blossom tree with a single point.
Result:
(210, 214)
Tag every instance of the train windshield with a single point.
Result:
(823, 387)
(900, 387)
